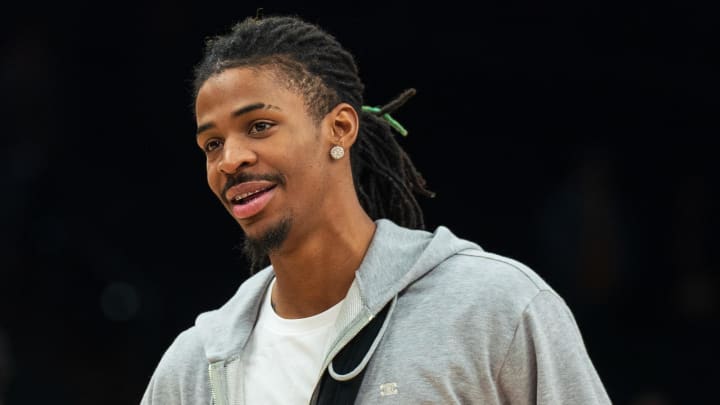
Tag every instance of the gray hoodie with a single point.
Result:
(464, 326)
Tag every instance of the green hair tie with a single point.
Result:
(387, 117)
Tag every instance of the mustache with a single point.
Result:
(243, 177)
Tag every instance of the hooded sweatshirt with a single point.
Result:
(463, 326)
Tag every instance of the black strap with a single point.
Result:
(333, 392)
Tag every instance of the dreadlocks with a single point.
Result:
(325, 74)
(385, 177)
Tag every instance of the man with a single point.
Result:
(358, 304)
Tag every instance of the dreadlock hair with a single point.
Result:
(325, 74)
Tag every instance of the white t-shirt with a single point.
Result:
(282, 360)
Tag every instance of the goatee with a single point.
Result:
(257, 250)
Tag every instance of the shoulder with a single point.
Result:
(487, 265)
(185, 350)
(181, 372)
(490, 277)
(486, 283)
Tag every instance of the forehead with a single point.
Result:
(241, 83)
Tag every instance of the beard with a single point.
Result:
(257, 249)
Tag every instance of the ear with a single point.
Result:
(343, 122)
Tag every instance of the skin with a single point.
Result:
(330, 231)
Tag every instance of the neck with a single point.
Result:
(316, 274)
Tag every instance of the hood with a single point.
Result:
(396, 257)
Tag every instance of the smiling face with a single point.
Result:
(267, 159)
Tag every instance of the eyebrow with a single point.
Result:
(240, 111)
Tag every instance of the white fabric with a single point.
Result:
(282, 361)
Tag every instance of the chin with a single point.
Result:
(267, 238)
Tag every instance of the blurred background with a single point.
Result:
(576, 137)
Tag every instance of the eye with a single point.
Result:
(212, 144)
(258, 128)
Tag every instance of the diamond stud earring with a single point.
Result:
(337, 152)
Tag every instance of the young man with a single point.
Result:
(358, 304)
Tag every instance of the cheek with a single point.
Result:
(316, 181)
(305, 175)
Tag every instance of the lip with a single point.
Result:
(253, 207)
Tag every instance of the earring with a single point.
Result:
(337, 152)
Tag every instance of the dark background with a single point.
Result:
(576, 137)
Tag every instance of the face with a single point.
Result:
(267, 159)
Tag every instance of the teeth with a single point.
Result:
(239, 197)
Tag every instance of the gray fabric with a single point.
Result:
(468, 327)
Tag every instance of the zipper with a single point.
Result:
(218, 383)
(370, 351)
(346, 338)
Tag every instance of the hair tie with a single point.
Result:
(387, 117)
(384, 111)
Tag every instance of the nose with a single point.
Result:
(235, 155)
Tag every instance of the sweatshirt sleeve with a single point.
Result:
(547, 362)
(180, 377)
